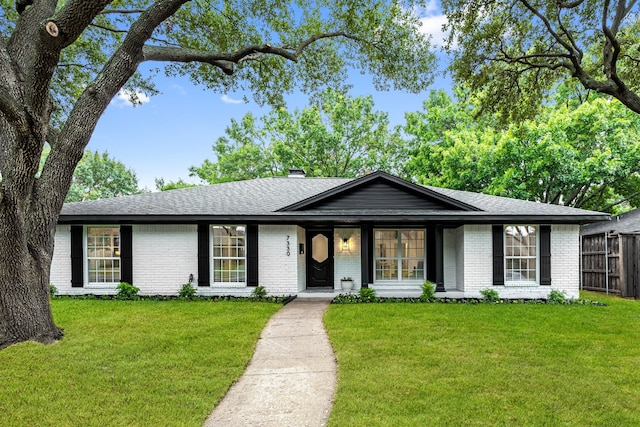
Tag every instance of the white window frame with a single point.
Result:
(213, 258)
(399, 258)
(512, 282)
(86, 258)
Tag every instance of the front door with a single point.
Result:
(319, 259)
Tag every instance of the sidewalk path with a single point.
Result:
(291, 378)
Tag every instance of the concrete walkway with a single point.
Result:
(291, 378)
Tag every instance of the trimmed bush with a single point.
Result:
(428, 291)
(187, 291)
(126, 291)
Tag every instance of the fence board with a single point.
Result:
(617, 260)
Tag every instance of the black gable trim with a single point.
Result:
(379, 190)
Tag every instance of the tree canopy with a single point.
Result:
(98, 176)
(584, 155)
(516, 53)
(62, 62)
(336, 136)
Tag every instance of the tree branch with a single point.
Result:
(611, 205)
(547, 24)
(570, 5)
(75, 134)
(226, 61)
(112, 30)
(121, 11)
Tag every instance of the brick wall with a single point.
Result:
(163, 257)
(565, 264)
(477, 259)
(278, 272)
(346, 263)
(302, 264)
(450, 257)
(565, 259)
(61, 262)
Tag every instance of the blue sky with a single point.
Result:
(175, 129)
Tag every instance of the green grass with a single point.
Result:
(524, 365)
(122, 363)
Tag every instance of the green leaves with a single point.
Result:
(576, 154)
(517, 53)
(99, 176)
(338, 136)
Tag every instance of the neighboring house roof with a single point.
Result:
(628, 222)
(377, 197)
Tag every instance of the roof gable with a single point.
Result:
(379, 190)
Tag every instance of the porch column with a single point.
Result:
(439, 259)
(366, 255)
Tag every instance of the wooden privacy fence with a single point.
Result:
(610, 263)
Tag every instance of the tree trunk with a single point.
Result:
(25, 263)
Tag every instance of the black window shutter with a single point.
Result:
(366, 255)
(545, 255)
(203, 255)
(498, 255)
(126, 254)
(431, 255)
(252, 255)
(77, 274)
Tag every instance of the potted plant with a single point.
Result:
(346, 283)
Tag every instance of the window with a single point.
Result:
(103, 255)
(399, 255)
(229, 249)
(521, 253)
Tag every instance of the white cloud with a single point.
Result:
(228, 100)
(178, 88)
(433, 25)
(432, 20)
(130, 98)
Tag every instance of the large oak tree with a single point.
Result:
(516, 52)
(62, 62)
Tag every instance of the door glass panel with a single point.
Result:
(320, 248)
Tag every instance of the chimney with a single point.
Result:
(296, 173)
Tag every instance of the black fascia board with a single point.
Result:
(378, 175)
(334, 219)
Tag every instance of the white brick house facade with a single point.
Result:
(299, 235)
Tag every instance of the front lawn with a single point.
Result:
(130, 363)
(459, 364)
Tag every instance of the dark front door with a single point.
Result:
(319, 259)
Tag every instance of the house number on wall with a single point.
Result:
(288, 247)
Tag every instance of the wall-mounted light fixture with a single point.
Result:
(345, 245)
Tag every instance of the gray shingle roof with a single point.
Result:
(625, 223)
(262, 198)
(252, 197)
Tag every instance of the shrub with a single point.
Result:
(187, 291)
(428, 291)
(53, 291)
(557, 297)
(490, 295)
(259, 292)
(126, 291)
(367, 294)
